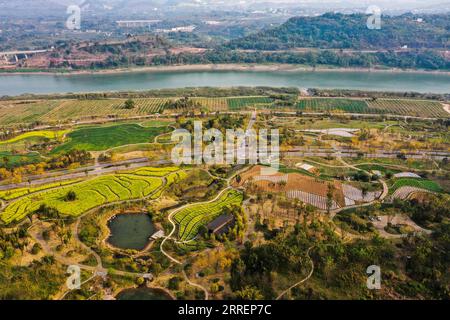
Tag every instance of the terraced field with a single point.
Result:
(416, 183)
(17, 193)
(91, 193)
(103, 138)
(191, 218)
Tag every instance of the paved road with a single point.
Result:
(436, 155)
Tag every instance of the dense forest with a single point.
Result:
(419, 59)
(413, 267)
(339, 31)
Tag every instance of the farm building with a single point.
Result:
(221, 224)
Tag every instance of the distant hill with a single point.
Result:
(339, 31)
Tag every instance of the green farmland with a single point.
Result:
(326, 104)
(191, 218)
(402, 107)
(244, 102)
(417, 183)
(103, 138)
(13, 160)
(90, 194)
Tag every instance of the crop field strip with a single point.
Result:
(80, 109)
(17, 193)
(45, 134)
(418, 108)
(403, 107)
(25, 111)
(191, 218)
(213, 104)
(332, 104)
(90, 193)
(239, 103)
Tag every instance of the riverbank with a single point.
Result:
(224, 67)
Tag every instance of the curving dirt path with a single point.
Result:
(174, 227)
(303, 280)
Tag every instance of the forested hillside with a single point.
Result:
(339, 31)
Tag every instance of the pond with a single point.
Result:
(143, 293)
(130, 230)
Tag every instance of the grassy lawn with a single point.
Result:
(104, 138)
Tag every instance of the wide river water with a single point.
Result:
(16, 84)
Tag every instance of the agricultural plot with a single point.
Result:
(312, 199)
(89, 194)
(272, 178)
(405, 192)
(83, 109)
(44, 134)
(25, 111)
(18, 159)
(213, 104)
(240, 103)
(328, 104)
(191, 218)
(417, 108)
(17, 193)
(107, 137)
(403, 107)
(416, 183)
(353, 195)
(171, 178)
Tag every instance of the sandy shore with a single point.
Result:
(226, 67)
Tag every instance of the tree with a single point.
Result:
(70, 196)
(36, 249)
(330, 193)
(129, 104)
(249, 293)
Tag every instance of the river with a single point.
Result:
(16, 84)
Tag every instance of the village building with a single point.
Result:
(221, 224)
